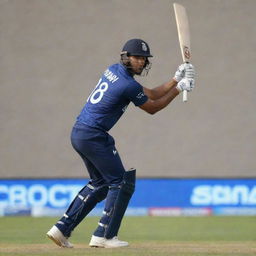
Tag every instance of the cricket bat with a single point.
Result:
(184, 36)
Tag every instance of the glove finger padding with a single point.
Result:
(186, 84)
(180, 73)
(185, 70)
(189, 71)
(192, 84)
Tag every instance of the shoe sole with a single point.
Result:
(113, 247)
(107, 246)
(54, 240)
(96, 246)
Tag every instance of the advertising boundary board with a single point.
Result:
(154, 197)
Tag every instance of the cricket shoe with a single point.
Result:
(58, 238)
(101, 242)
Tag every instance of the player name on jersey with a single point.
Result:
(110, 76)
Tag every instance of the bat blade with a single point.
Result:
(183, 34)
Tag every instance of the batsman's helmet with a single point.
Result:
(136, 47)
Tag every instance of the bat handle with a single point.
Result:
(185, 96)
(185, 92)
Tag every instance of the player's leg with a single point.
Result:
(116, 204)
(121, 188)
(87, 198)
(85, 201)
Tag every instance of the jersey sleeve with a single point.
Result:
(134, 92)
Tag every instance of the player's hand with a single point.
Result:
(187, 84)
(180, 73)
(189, 71)
(184, 70)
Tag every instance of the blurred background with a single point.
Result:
(54, 51)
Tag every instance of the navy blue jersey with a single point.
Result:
(110, 98)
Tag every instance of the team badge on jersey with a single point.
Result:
(140, 95)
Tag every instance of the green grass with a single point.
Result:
(148, 236)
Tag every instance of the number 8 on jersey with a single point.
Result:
(98, 93)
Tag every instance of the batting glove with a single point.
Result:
(187, 84)
(180, 73)
(189, 71)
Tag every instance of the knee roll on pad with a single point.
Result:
(94, 193)
(125, 193)
(100, 193)
(128, 186)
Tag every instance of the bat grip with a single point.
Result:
(185, 96)
(185, 92)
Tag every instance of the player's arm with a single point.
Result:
(159, 91)
(153, 106)
(184, 70)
